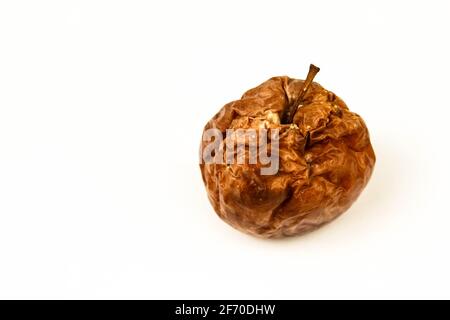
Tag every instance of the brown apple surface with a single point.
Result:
(325, 160)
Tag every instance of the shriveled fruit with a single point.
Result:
(324, 150)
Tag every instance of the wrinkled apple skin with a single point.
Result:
(319, 177)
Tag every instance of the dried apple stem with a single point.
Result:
(292, 108)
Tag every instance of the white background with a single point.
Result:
(102, 106)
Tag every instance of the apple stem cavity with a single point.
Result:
(290, 111)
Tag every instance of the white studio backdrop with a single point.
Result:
(102, 106)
